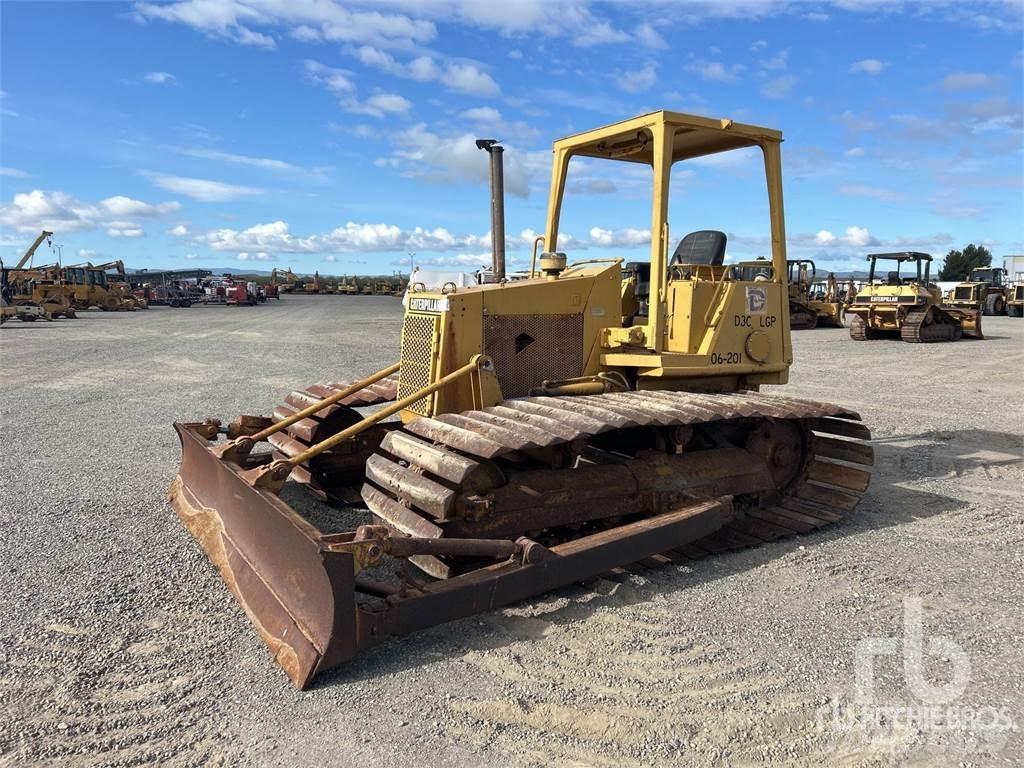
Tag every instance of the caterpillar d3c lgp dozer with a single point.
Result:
(543, 439)
(909, 306)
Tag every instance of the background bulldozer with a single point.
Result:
(908, 305)
(983, 290)
(546, 433)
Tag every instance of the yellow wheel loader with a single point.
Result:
(984, 289)
(907, 305)
(91, 289)
(540, 438)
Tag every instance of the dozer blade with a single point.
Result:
(299, 585)
(299, 594)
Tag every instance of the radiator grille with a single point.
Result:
(419, 346)
(528, 349)
(963, 293)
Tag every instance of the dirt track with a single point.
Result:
(119, 645)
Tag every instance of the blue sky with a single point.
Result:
(338, 136)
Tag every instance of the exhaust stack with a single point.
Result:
(497, 177)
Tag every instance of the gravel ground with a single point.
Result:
(119, 645)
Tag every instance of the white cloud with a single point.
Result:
(599, 33)
(859, 237)
(854, 152)
(86, 253)
(260, 256)
(13, 173)
(126, 207)
(966, 81)
(715, 71)
(203, 190)
(379, 105)
(758, 45)
(57, 211)
(60, 212)
(266, 163)
(420, 153)
(515, 54)
(868, 67)
(179, 230)
(855, 124)
(855, 237)
(778, 61)
(482, 115)
(159, 78)
(334, 80)
(623, 238)
(779, 88)
(423, 69)
(125, 232)
(234, 20)
(468, 78)
(649, 37)
(276, 237)
(636, 80)
(875, 193)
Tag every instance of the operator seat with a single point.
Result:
(893, 278)
(706, 246)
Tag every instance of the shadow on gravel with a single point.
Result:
(899, 461)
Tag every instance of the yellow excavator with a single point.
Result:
(544, 433)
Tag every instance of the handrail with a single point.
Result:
(533, 260)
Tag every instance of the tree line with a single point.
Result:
(958, 264)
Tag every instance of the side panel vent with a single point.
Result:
(529, 349)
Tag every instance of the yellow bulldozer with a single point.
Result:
(812, 301)
(908, 305)
(540, 439)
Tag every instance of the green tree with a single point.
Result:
(958, 264)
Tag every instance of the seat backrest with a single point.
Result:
(642, 270)
(893, 278)
(706, 246)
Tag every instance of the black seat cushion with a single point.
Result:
(894, 278)
(706, 246)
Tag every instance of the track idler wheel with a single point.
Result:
(339, 472)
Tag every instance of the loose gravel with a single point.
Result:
(120, 646)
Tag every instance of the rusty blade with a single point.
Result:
(299, 596)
